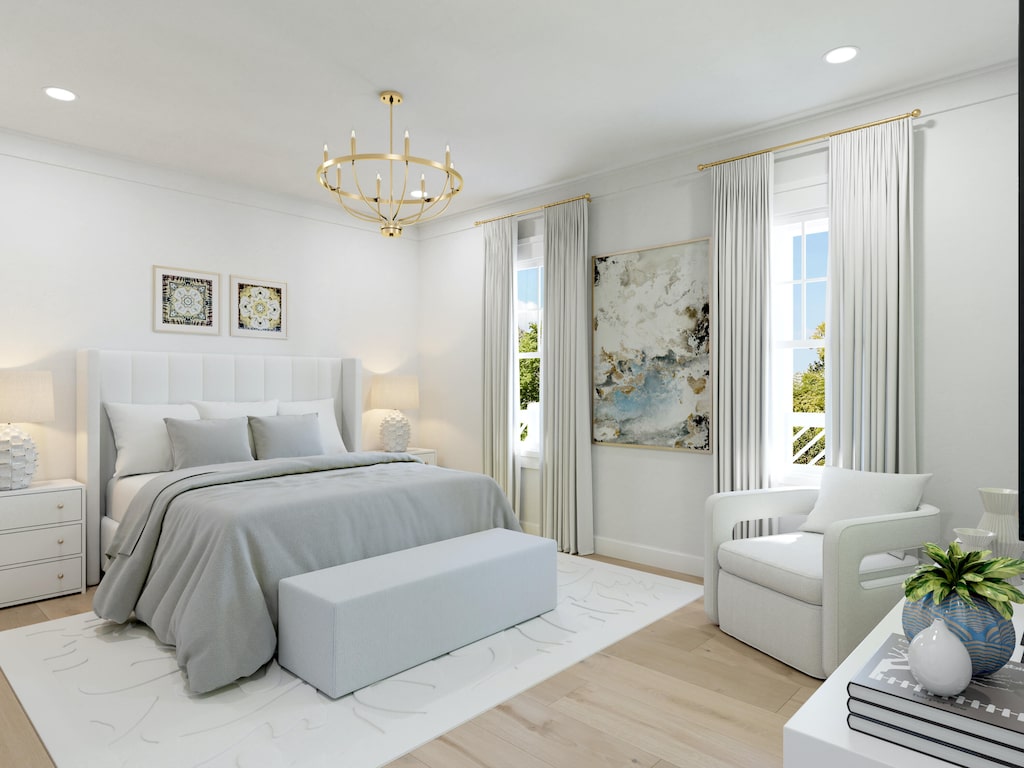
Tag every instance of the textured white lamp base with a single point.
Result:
(17, 458)
(394, 431)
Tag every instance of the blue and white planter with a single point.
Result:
(989, 638)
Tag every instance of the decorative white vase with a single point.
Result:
(939, 661)
(1000, 517)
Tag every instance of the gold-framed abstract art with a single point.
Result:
(186, 301)
(259, 308)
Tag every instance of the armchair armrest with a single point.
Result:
(723, 510)
(851, 609)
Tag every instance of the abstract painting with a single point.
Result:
(652, 362)
(185, 301)
(258, 308)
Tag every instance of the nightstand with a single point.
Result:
(426, 455)
(42, 541)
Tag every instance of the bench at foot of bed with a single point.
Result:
(342, 628)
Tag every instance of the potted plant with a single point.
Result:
(970, 591)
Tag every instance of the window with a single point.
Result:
(798, 300)
(529, 295)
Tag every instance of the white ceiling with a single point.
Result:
(529, 94)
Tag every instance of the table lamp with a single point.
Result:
(25, 397)
(395, 393)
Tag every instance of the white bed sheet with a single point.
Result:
(121, 491)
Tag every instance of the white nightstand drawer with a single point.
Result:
(34, 582)
(40, 544)
(19, 510)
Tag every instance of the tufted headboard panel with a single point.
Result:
(109, 376)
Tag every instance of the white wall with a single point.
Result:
(649, 503)
(80, 233)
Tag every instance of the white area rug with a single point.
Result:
(104, 694)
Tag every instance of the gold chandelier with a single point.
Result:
(398, 205)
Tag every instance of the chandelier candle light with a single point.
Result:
(25, 396)
(398, 205)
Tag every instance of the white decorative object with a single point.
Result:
(974, 539)
(1000, 517)
(25, 396)
(939, 661)
(395, 393)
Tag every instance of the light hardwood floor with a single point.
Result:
(678, 694)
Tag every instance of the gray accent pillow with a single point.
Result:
(195, 443)
(278, 437)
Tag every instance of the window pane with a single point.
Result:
(798, 269)
(529, 293)
(528, 335)
(815, 308)
(808, 381)
(798, 314)
(817, 254)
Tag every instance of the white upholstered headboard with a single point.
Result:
(166, 377)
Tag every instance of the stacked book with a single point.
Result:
(982, 727)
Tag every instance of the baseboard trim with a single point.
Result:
(659, 558)
(532, 528)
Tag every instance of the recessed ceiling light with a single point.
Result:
(60, 94)
(841, 54)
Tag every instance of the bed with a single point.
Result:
(195, 548)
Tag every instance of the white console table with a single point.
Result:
(817, 735)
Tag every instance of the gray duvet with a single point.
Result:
(200, 552)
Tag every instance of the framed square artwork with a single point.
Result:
(259, 308)
(186, 301)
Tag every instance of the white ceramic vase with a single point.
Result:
(939, 661)
(1000, 517)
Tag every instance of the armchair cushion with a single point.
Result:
(846, 494)
(792, 563)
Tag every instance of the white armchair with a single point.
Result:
(806, 598)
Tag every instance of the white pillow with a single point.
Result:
(330, 437)
(227, 409)
(198, 442)
(140, 435)
(847, 494)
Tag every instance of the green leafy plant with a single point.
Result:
(969, 575)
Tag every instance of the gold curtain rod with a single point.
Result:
(535, 208)
(915, 113)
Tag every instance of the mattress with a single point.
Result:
(121, 491)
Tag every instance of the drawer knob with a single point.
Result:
(60, 506)
(60, 575)
(60, 541)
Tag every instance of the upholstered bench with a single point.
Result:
(342, 628)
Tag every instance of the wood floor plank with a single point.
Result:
(710, 711)
(765, 691)
(470, 746)
(657, 728)
(558, 739)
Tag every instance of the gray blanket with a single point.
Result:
(200, 552)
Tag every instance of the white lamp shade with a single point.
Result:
(26, 396)
(395, 392)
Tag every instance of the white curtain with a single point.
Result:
(869, 386)
(740, 353)
(499, 261)
(567, 506)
